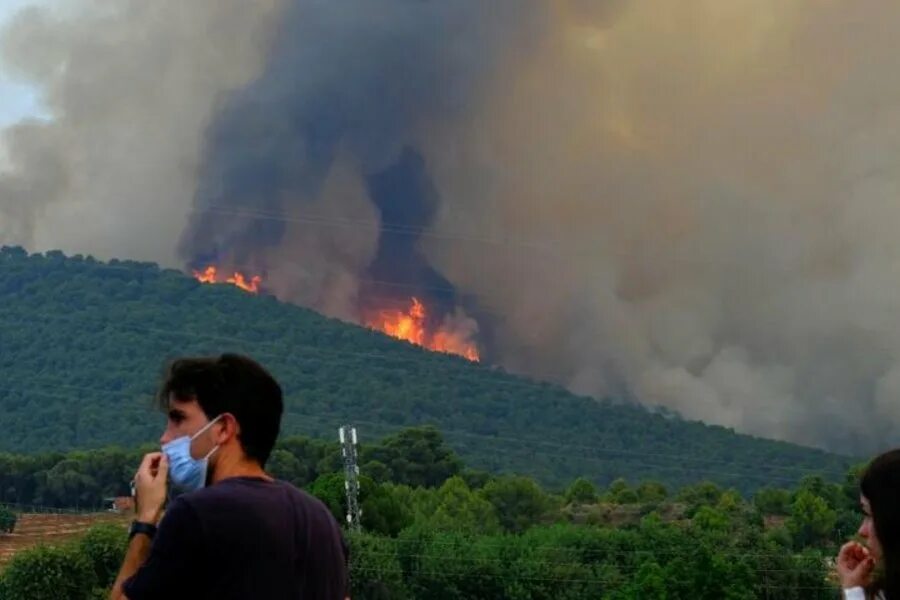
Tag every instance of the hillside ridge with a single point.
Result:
(83, 342)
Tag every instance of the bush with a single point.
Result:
(49, 573)
(7, 520)
(104, 547)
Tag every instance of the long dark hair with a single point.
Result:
(880, 485)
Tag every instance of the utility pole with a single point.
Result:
(347, 436)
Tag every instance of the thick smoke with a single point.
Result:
(131, 86)
(352, 89)
(687, 203)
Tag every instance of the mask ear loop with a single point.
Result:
(205, 427)
(211, 452)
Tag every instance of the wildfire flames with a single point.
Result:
(211, 275)
(410, 325)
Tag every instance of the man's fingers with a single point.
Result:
(148, 463)
(148, 460)
(163, 467)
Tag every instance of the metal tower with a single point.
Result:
(347, 436)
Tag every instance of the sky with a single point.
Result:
(17, 100)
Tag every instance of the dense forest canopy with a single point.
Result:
(82, 344)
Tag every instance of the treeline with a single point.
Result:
(84, 342)
(435, 529)
(85, 479)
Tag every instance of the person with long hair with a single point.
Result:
(870, 568)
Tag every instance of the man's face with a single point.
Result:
(183, 418)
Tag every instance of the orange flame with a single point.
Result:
(410, 326)
(211, 275)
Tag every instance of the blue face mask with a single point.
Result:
(187, 472)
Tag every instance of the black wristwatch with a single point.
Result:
(140, 527)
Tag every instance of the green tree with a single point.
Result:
(582, 491)
(519, 501)
(709, 519)
(329, 488)
(377, 574)
(68, 484)
(620, 492)
(385, 510)
(773, 501)
(730, 502)
(377, 470)
(649, 582)
(831, 493)
(811, 521)
(415, 457)
(283, 465)
(455, 507)
(702, 494)
(7, 520)
(651, 492)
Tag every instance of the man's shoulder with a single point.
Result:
(245, 490)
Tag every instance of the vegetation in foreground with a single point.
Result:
(435, 529)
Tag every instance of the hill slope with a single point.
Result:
(82, 343)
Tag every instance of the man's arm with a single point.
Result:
(138, 551)
(150, 488)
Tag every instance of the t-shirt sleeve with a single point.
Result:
(173, 557)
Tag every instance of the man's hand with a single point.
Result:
(854, 565)
(150, 487)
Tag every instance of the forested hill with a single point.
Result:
(82, 344)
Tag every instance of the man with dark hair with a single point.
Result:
(235, 532)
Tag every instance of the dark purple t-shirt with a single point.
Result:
(244, 538)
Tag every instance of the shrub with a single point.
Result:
(7, 520)
(104, 546)
(48, 573)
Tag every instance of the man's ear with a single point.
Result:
(229, 430)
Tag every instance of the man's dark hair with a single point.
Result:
(234, 384)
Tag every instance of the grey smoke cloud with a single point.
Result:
(687, 203)
(131, 86)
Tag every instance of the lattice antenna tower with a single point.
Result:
(347, 436)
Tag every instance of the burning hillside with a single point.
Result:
(211, 274)
(412, 325)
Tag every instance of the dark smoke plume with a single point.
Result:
(355, 86)
(691, 203)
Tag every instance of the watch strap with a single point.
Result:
(140, 527)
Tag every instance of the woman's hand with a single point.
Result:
(854, 565)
